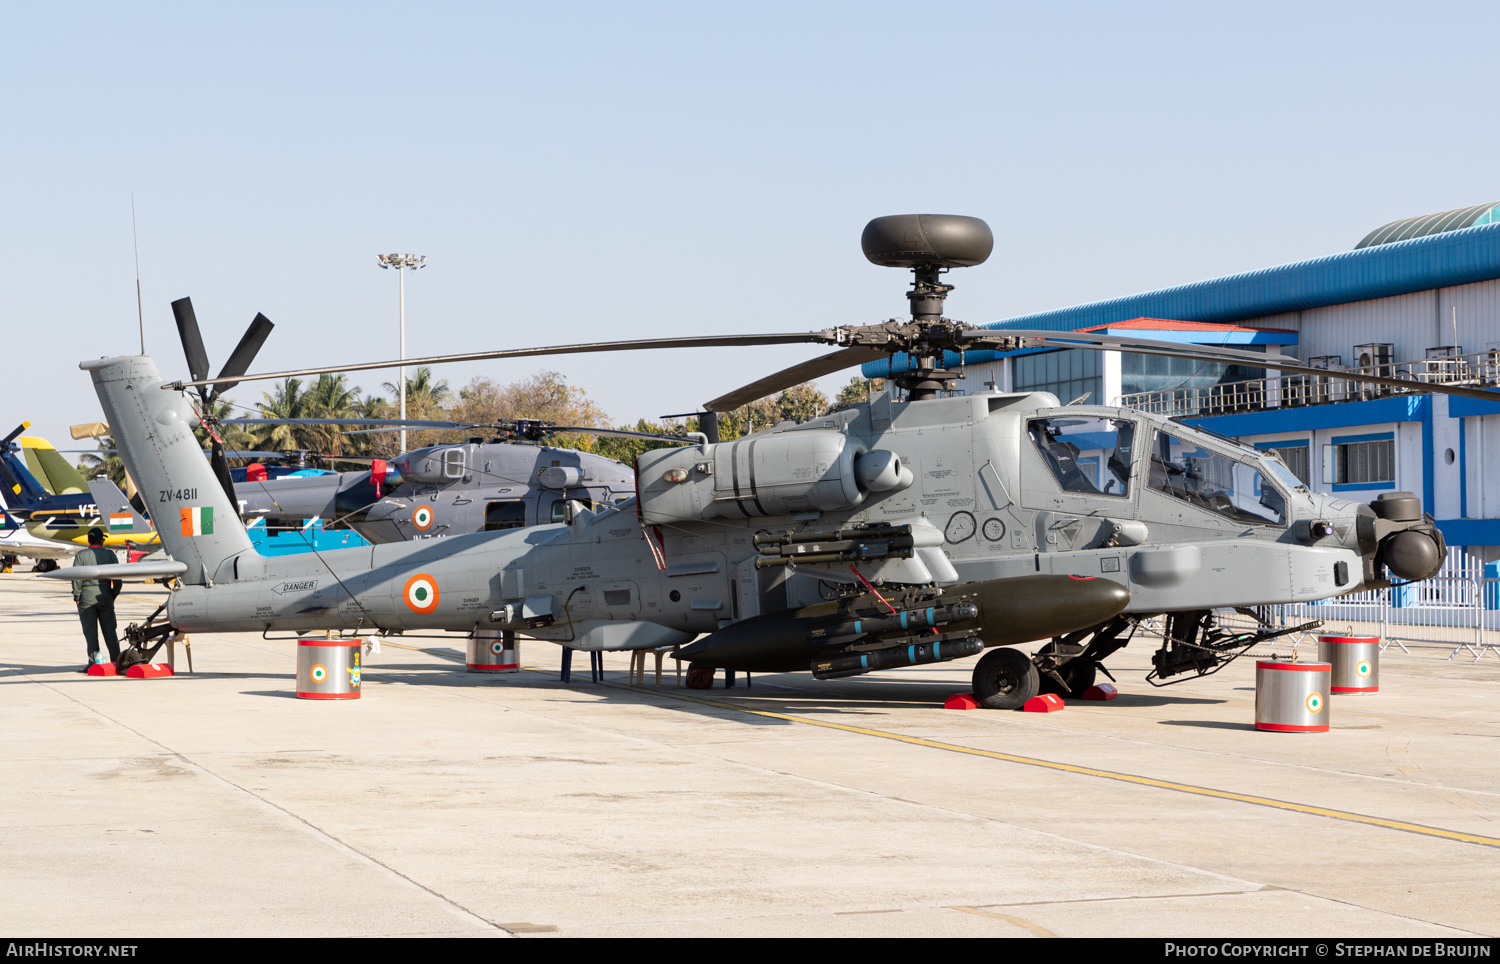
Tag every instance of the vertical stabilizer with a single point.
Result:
(197, 523)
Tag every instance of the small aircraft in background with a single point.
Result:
(65, 507)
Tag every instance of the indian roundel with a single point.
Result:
(422, 517)
(319, 673)
(421, 593)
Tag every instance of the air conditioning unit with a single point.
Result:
(1326, 361)
(1373, 355)
(1444, 351)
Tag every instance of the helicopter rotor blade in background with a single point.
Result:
(796, 375)
(244, 353)
(643, 344)
(688, 439)
(393, 422)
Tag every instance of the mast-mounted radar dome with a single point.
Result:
(927, 240)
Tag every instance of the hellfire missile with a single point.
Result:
(854, 664)
(998, 612)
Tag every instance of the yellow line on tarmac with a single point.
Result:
(1112, 775)
(1345, 815)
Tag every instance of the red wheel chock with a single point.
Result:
(1046, 703)
(103, 669)
(148, 671)
(961, 701)
(1100, 691)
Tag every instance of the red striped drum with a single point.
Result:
(493, 651)
(1355, 660)
(328, 669)
(1292, 697)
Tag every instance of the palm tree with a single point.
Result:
(421, 388)
(287, 400)
(330, 397)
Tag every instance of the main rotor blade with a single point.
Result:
(244, 352)
(696, 341)
(192, 339)
(1080, 339)
(796, 375)
(1282, 363)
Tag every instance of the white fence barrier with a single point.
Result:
(1459, 606)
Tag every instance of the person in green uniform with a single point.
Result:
(96, 598)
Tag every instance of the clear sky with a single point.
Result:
(594, 171)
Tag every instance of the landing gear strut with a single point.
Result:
(1068, 664)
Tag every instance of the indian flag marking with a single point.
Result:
(1363, 669)
(120, 522)
(319, 673)
(498, 648)
(421, 593)
(422, 518)
(197, 521)
(1315, 702)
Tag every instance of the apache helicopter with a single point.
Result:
(892, 533)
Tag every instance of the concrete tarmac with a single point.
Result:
(446, 803)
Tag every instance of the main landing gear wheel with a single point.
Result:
(1004, 679)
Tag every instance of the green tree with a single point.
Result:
(627, 450)
(420, 388)
(330, 397)
(287, 400)
(858, 390)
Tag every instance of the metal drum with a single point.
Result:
(1292, 697)
(1356, 662)
(328, 669)
(493, 651)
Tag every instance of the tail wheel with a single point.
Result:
(1004, 679)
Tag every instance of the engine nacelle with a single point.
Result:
(768, 475)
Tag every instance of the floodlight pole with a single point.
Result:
(402, 263)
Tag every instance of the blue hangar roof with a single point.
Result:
(1379, 271)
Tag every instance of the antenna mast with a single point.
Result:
(139, 311)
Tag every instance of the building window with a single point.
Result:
(1365, 462)
(1294, 457)
(1157, 373)
(1069, 374)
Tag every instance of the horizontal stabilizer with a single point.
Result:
(124, 571)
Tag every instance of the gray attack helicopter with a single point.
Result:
(508, 482)
(889, 534)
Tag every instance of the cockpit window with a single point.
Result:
(1237, 489)
(1088, 454)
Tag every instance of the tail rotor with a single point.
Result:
(197, 359)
